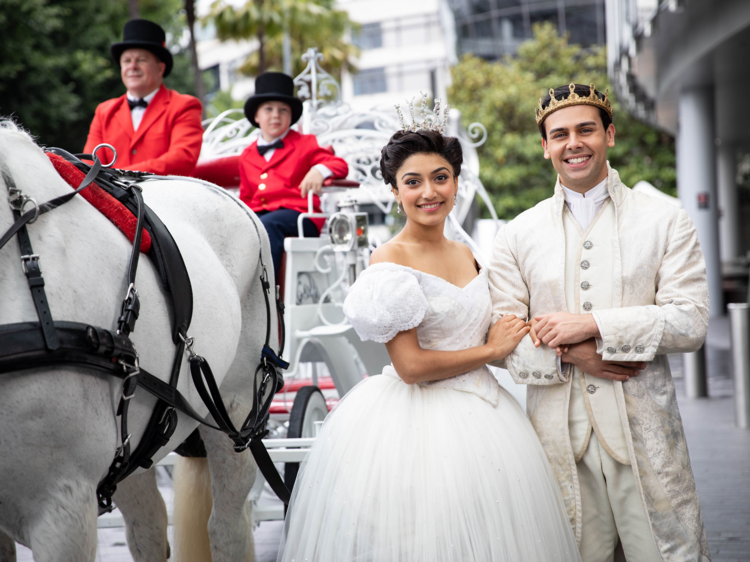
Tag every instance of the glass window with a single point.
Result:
(581, 23)
(370, 81)
(537, 16)
(370, 36)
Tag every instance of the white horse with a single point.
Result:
(58, 431)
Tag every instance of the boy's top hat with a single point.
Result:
(144, 34)
(273, 86)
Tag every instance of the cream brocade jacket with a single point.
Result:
(659, 306)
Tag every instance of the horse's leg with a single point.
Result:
(145, 516)
(7, 548)
(66, 528)
(232, 477)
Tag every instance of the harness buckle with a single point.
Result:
(130, 382)
(27, 258)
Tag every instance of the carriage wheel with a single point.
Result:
(309, 406)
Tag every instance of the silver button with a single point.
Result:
(523, 375)
(585, 264)
(585, 285)
(626, 348)
(611, 350)
(549, 377)
(537, 374)
(134, 151)
(639, 349)
(587, 306)
(591, 389)
(588, 245)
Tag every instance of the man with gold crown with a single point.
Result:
(612, 281)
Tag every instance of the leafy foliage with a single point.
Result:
(310, 23)
(56, 66)
(503, 96)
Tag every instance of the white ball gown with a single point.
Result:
(446, 471)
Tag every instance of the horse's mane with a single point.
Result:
(9, 125)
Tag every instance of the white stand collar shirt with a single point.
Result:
(136, 114)
(585, 206)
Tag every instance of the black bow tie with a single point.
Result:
(265, 148)
(137, 103)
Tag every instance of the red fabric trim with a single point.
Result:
(101, 200)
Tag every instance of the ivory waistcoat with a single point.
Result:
(588, 288)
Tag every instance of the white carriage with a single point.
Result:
(327, 358)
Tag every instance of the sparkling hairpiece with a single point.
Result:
(429, 122)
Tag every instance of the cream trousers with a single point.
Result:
(612, 510)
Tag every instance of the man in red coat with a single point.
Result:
(152, 128)
(282, 166)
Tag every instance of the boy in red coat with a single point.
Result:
(282, 166)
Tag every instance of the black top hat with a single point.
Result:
(273, 86)
(144, 34)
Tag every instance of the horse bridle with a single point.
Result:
(30, 344)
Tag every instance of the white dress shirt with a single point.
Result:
(584, 206)
(324, 171)
(136, 114)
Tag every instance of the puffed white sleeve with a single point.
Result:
(382, 303)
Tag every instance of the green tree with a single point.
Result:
(503, 96)
(310, 23)
(56, 67)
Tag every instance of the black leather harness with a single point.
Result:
(47, 343)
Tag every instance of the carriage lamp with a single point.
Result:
(348, 231)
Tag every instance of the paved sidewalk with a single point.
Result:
(719, 453)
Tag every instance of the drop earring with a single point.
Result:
(399, 209)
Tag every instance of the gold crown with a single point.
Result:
(572, 99)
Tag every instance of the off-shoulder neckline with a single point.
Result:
(390, 263)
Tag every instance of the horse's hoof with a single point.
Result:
(169, 552)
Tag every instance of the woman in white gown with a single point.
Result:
(432, 461)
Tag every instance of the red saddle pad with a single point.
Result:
(101, 200)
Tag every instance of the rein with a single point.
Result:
(25, 345)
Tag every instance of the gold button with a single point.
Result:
(134, 151)
(262, 186)
(263, 176)
(262, 199)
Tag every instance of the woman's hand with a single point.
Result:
(504, 336)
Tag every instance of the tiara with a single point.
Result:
(572, 99)
(429, 122)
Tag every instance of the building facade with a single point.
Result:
(406, 48)
(682, 66)
(492, 29)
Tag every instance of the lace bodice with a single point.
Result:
(389, 298)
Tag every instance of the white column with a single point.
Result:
(729, 222)
(696, 181)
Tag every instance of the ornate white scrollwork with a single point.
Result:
(356, 136)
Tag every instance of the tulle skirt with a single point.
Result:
(406, 473)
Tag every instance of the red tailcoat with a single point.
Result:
(267, 186)
(167, 142)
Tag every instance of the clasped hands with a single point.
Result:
(572, 337)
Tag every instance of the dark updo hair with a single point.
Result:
(408, 143)
(562, 93)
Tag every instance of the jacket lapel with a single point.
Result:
(255, 158)
(154, 110)
(122, 115)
